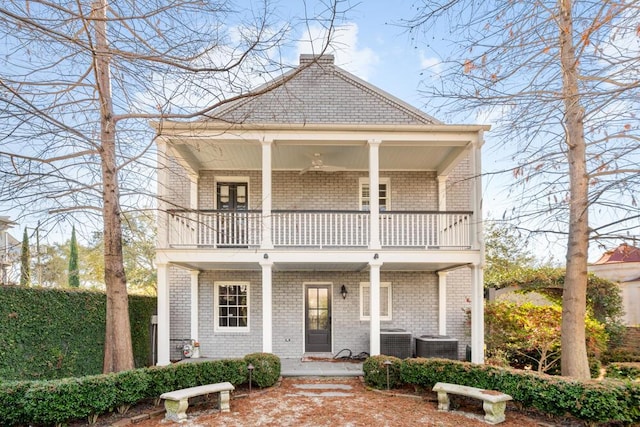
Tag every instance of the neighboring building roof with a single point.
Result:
(623, 253)
(6, 223)
(317, 91)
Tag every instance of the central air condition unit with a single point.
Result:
(396, 342)
(440, 346)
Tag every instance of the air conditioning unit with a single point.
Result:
(441, 346)
(396, 342)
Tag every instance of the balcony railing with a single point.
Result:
(319, 229)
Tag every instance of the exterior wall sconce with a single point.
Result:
(343, 292)
(265, 256)
(376, 256)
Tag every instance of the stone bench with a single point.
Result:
(176, 402)
(494, 402)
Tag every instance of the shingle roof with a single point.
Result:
(623, 253)
(320, 92)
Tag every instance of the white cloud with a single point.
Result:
(431, 64)
(344, 46)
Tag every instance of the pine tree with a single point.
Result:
(74, 275)
(25, 261)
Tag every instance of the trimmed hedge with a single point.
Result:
(60, 401)
(592, 401)
(375, 371)
(624, 371)
(58, 333)
(266, 368)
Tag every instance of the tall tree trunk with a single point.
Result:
(118, 352)
(574, 298)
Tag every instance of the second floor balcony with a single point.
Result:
(319, 229)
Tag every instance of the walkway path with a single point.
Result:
(330, 402)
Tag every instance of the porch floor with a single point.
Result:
(296, 367)
(302, 367)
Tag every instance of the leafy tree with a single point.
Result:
(79, 82)
(560, 80)
(529, 335)
(55, 265)
(74, 274)
(505, 250)
(25, 261)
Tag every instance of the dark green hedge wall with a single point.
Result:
(57, 333)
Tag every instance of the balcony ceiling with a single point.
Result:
(248, 156)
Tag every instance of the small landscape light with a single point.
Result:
(250, 368)
(387, 363)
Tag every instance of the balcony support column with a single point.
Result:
(163, 344)
(374, 306)
(195, 301)
(374, 194)
(267, 242)
(442, 192)
(162, 240)
(267, 306)
(477, 314)
(442, 303)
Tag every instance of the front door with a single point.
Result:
(317, 325)
(232, 199)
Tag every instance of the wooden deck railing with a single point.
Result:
(289, 228)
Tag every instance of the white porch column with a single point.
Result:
(195, 325)
(162, 240)
(477, 315)
(193, 191)
(442, 192)
(267, 306)
(163, 344)
(374, 306)
(267, 242)
(476, 197)
(374, 193)
(442, 303)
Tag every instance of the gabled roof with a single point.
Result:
(318, 92)
(622, 254)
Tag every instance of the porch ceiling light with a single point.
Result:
(343, 292)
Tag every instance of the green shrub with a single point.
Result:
(266, 370)
(232, 370)
(59, 401)
(375, 371)
(12, 411)
(58, 333)
(624, 371)
(131, 386)
(602, 401)
(54, 402)
(529, 335)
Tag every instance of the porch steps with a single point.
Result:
(306, 367)
(323, 390)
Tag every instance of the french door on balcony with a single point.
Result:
(233, 200)
(317, 325)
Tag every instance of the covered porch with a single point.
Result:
(278, 278)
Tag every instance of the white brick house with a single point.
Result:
(266, 220)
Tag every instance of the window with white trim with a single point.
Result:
(383, 194)
(231, 300)
(385, 301)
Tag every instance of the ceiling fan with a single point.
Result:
(317, 165)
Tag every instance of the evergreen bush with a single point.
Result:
(375, 371)
(266, 368)
(58, 333)
(591, 401)
(61, 401)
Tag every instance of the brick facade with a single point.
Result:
(415, 309)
